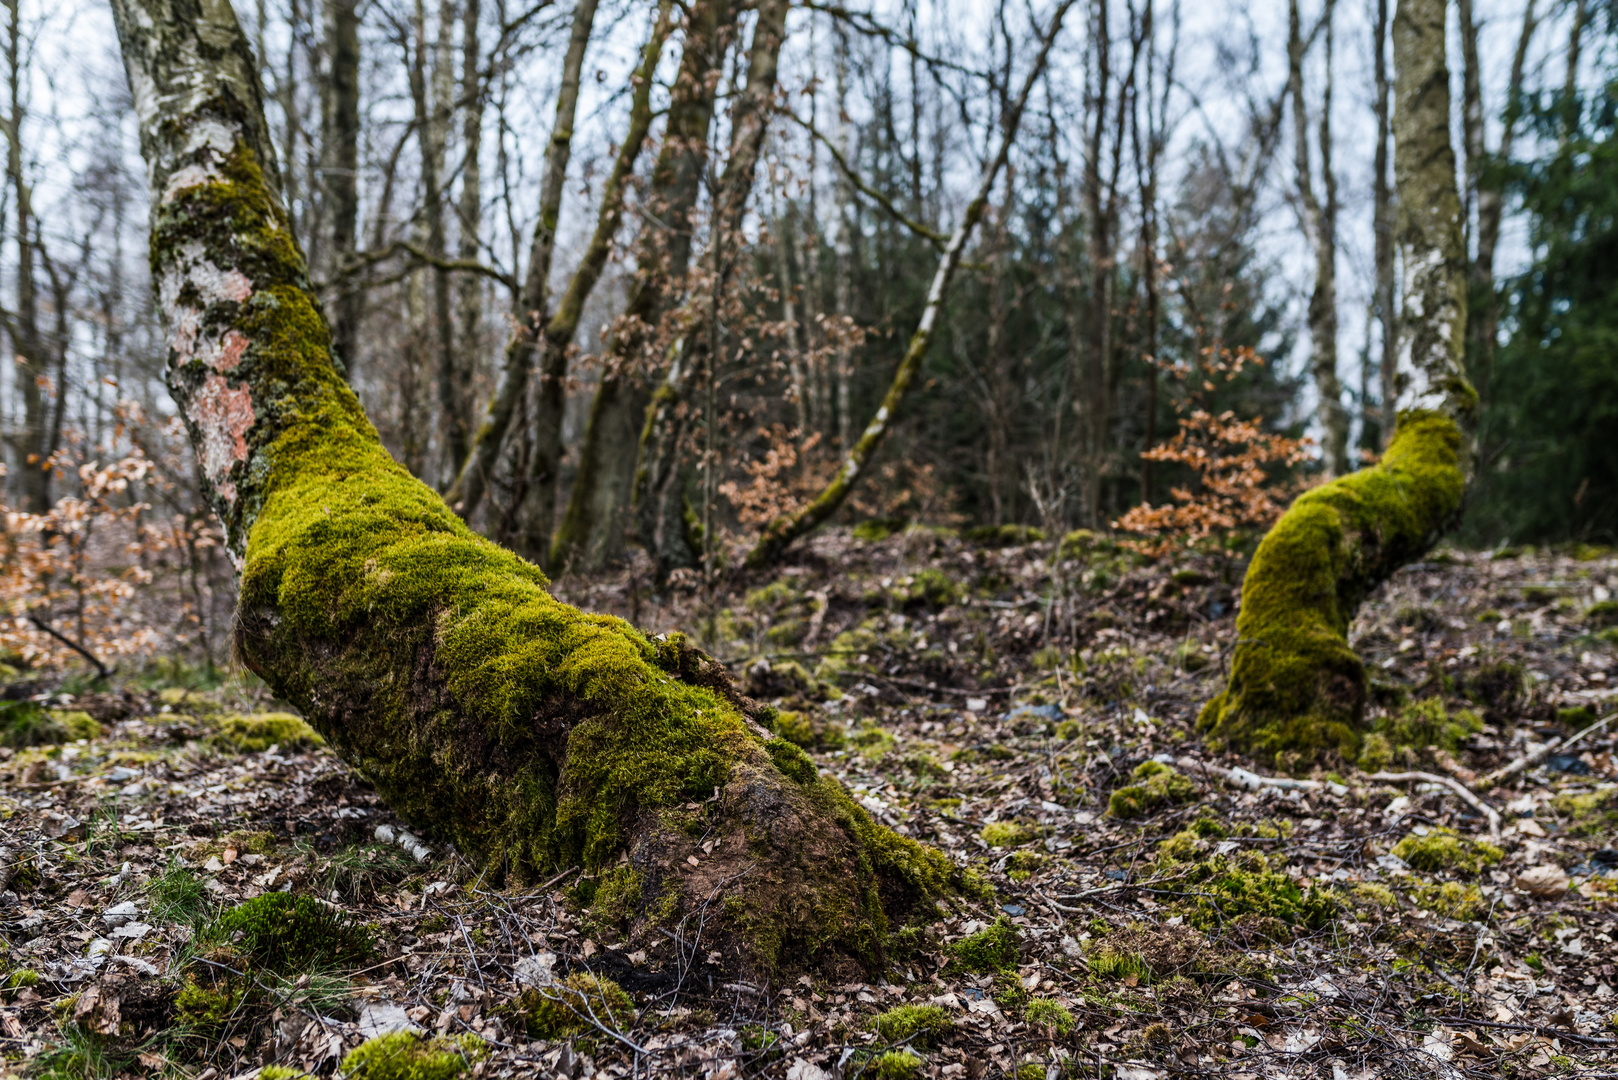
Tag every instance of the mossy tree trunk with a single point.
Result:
(1297, 691)
(532, 735)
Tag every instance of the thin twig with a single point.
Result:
(1450, 782)
(1539, 755)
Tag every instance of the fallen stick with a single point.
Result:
(1539, 755)
(1449, 782)
(1250, 780)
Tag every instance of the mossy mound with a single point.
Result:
(1405, 736)
(1224, 888)
(990, 950)
(206, 1008)
(1141, 953)
(924, 1024)
(27, 723)
(810, 731)
(403, 1055)
(1297, 691)
(1159, 787)
(875, 530)
(1050, 1015)
(1009, 833)
(893, 1065)
(281, 932)
(575, 1006)
(1446, 850)
(257, 732)
(1590, 813)
(1602, 614)
(997, 536)
(1450, 899)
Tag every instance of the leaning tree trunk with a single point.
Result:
(532, 735)
(1297, 691)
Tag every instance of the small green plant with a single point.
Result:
(1444, 849)
(282, 932)
(992, 949)
(925, 1024)
(402, 1055)
(894, 1065)
(1049, 1016)
(177, 896)
(1158, 786)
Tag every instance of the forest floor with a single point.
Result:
(1004, 704)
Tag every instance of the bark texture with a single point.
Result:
(1297, 691)
(529, 733)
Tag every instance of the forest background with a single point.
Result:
(1179, 306)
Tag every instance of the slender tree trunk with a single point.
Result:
(470, 286)
(662, 472)
(27, 342)
(467, 492)
(537, 509)
(1320, 225)
(592, 527)
(340, 151)
(1382, 227)
(1297, 691)
(530, 734)
(781, 532)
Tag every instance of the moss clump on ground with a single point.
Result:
(1049, 1015)
(617, 898)
(875, 530)
(930, 588)
(575, 1006)
(403, 1055)
(995, 536)
(1371, 895)
(1405, 736)
(257, 732)
(1297, 691)
(1602, 614)
(1159, 786)
(926, 1023)
(1450, 899)
(280, 1072)
(26, 723)
(206, 1007)
(1445, 849)
(1590, 813)
(283, 933)
(1009, 833)
(990, 950)
(1225, 888)
(1145, 953)
(893, 1065)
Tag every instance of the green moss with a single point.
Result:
(893, 1065)
(280, 1072)
(926, 1023)
(1591, 813)
(992, 949)
(995, 536)
(809, 732)
(1602, 614)
(931, 588)
(1224, 888)
(1372, 895)
(77, 724)
(1109, 963)
(1160, 787)
(1450, 899)
(1008, 833)
(1297, 691)
(282, 932)
(1577, 718)
(1405, 736)
(27, 723)
(617, 898)
(206, 1007)
(875, 530)
(255, 733)
(873, 742)
(1050, 1015)
(403, 1055)
(567, 1008)
(1444, 849)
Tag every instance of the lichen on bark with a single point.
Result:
(532, 735)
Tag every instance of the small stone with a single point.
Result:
(1545, 882)
(213, 865)
(119, 914)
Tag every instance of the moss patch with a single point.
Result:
(1159, 787)
(1444, 849)
(1405, 736)
(1009, 833)
(255, 733)
(1450, 899)
(809, 731)
(401, 1055)
(990, 950)
(1297, 691)
(926, 1024)
(1049, 1015)
(575, 1006)
(283, 933)
(1224, 889)
(1590, 813)
(26, 723)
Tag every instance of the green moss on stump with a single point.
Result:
(1297, 691)
(282, 932)
(1445, 849)
(403, 1055)
(1159, 787)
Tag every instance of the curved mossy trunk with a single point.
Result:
(532, 735)
(1297, 691)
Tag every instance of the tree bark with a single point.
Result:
(469, 286)
(1297, 691)
(1320, 226)
(340, 151)
(28, 343)
(1382, 226)
(537, 506)
(591, 531)
(530, 734)
(780, 533)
